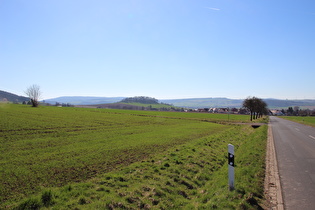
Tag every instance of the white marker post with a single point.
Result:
(231, 166)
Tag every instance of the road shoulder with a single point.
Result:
(273, 192)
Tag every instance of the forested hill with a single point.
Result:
(276, 103)
(140, 99)
(6, 96)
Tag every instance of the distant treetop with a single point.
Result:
(140, 99)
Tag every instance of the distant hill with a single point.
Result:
(237, 103)
(84, 100)
(187, 103)
(6, 96)
(204, 102)
(276, 103)
(141, 103)
(133, 106)
(141, 100)
(112, 106)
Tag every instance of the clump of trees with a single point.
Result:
(140, 99)
(256, 106)
(296, 111)
(63, 104)
(34, 93)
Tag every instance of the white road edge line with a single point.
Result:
(311, 136)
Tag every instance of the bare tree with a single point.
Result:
(250, 105)
(256, 106)
(34, 93)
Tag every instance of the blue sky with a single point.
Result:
(159, 48)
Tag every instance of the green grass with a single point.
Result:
(308, 120)
(210, 117)
(189, 176)
(51, 146)
(98, 158)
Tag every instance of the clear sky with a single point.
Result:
(159, 48)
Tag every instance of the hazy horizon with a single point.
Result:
(177, 98)
(95, 96)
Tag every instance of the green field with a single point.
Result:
(102, 158)
(216, 118)
(308, 120)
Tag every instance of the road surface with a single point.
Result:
(295, 151)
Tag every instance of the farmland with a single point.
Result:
(102, 158)
(308, 120)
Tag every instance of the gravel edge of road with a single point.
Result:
(273, 192)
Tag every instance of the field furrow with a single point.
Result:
(153, 154)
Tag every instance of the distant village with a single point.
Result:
(291, 111)
(221, 110)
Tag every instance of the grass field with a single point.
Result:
(304, 120)
(216, 118)
(101, 158)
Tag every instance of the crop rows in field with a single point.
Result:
(51, 146)
(190, 176)
(102, 158)
(217, 118)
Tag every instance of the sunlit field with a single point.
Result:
(309, 120)
(49, 148)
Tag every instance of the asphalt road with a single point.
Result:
(295, 151)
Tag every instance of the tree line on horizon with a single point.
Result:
(296, 111)
(143, 100)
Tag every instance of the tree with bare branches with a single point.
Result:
(34, 93)
(256, 106)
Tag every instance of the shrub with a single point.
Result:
(31, 203)
(82, 201)
(47, 198)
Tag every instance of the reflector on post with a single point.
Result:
(231, 166)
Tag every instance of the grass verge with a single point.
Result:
(308, 120)
(188, 176)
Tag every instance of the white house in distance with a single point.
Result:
(276, 112)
